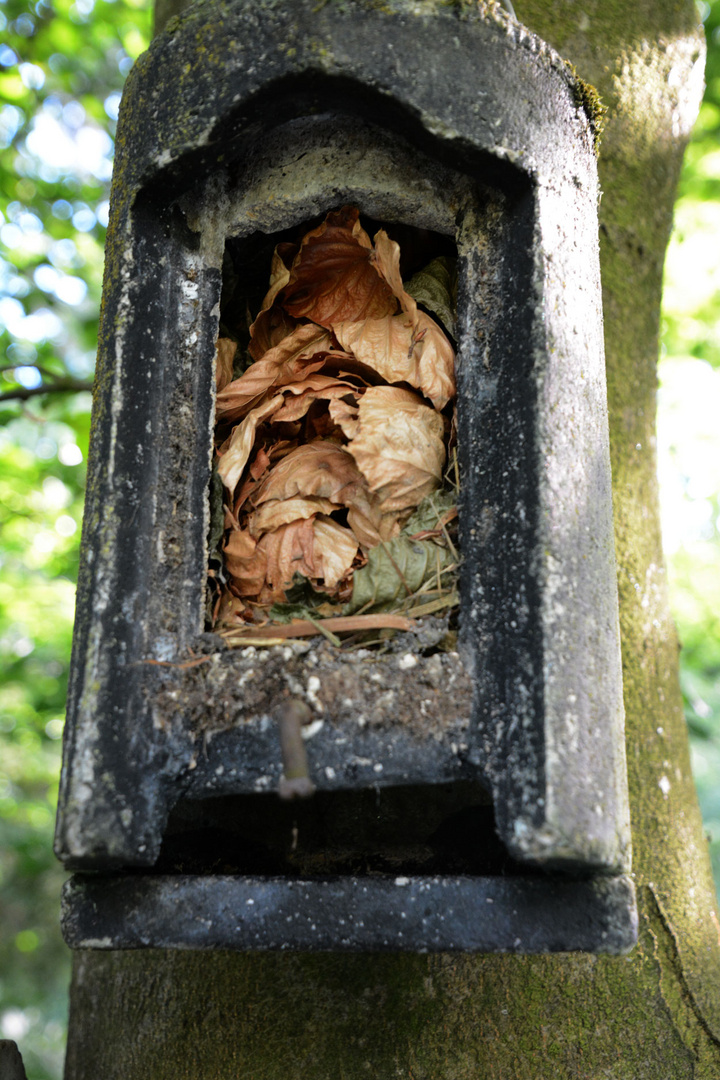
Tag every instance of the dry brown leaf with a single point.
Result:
(316, 388)
(290, 361)
(319, 468)
(246, 562)
(289, 551)
(333, 277)
(232, 612)
(335, 550)
(271, 327)
(282, 260)
(277, 512)
(344, 412)
(398, 447)
(370, 524)
(259, 465)
(343, 365)
(324, 469)
(404, 348)
(235, 456)
(225, 349)
(272, 323)
(409, 347)
(386, 256)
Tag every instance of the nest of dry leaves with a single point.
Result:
(335, 445)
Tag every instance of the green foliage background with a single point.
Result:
(689, 436)
(62, 65)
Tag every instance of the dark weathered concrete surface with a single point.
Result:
(418, 914)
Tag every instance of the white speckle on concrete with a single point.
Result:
(308, 730)
(407, 661)
(402, 880)
(313, 685)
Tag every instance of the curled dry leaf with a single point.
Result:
(272, 323)
(386, 256)
(315, 388)
(282, 260)
(225, 349)
(319, 468)
(335, 550)
(344, 412)
(290, 361)
(325, 470)
(277, 512)
(263, 569)
(245, 563)
(289, 551)
(270, 328)
(239, 448)
(409, 347)
(333, 276)
(398, 446)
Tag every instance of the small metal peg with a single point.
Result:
(295, 782)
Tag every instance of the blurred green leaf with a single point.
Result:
(62, 66)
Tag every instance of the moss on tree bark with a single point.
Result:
(652, 1014)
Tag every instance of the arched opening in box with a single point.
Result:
(336, 475)
(381, 299)
(398, 698)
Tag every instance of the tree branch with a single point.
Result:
(60, 386)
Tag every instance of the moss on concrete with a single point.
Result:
(587, 97)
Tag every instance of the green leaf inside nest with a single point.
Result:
(435, 287)
(400, 568)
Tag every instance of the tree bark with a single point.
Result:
(652, 1014)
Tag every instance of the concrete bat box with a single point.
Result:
(464, 736)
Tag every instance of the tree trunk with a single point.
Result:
(654, 1013)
